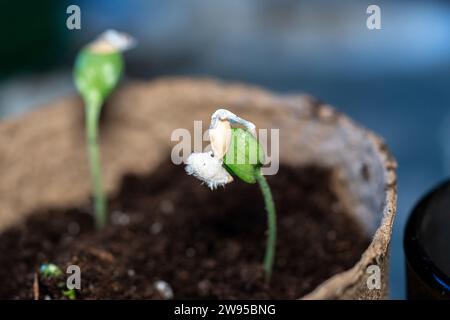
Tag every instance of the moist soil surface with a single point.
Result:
(206, 244)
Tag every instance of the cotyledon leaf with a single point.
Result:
(244, 155)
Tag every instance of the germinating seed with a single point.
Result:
(214, 167)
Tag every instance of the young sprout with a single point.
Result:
(236, 151)
(69, 294)
(97, 70)
(50, 270)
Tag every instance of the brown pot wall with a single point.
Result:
(43, 161)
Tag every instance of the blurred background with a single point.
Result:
(395, 81)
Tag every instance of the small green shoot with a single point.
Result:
(52, 271)
(244, 159)
(98, 68)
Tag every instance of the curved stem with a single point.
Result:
(92, 118)
(271, 225)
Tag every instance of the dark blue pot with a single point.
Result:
(427, 246)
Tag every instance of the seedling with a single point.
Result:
(52, 271)
(98, 68)
(49, 270)
(235, 151)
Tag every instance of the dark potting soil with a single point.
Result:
(204, 244)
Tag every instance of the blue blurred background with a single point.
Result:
(395, 81)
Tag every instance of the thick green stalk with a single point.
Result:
(92, 119)
(271, 224)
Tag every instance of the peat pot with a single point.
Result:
(44, 169)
